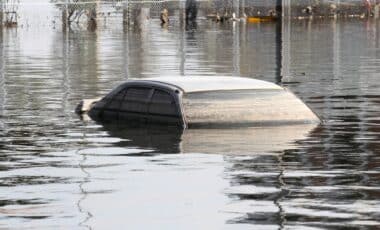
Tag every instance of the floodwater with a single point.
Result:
(57, 171)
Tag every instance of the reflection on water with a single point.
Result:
(241, 141)
(59, 171)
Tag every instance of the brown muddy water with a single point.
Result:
(57, 171)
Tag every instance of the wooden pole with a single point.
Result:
(1, 13)
(191, 11)
(236, 6)
(279, 8)
(377, 11)
(242, 8)
(92, 17)
(126, 18)
(65, 16)
(2, 75)
(182, 13)
(279, 41)
(286, 9)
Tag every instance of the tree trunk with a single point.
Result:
(1, 13)
(92, 19)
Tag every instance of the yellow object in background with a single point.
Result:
(257, 19)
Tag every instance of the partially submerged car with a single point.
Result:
(199, 101)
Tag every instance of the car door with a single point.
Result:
(164, 108)
(134, 104)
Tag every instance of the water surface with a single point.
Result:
(60, 171)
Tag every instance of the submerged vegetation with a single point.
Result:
(10, 15)
(74, 10)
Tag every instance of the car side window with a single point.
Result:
(115, 101)
(163, 103)
(136, 99)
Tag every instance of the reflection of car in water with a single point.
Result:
(199, 102)
(208, 140)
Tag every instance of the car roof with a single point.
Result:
(190, 84)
